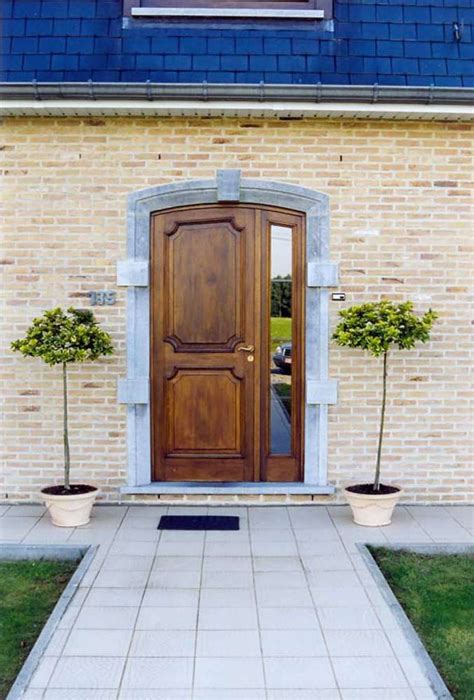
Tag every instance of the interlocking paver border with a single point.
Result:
(436, 681)
(17, 552)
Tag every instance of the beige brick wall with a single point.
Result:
(402, 225)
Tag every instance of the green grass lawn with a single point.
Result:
(29, 591)
(437, 594)
(280, 331)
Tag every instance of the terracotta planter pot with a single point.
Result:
(372, 510)
(70, 510)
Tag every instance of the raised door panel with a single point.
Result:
(204, 413)
(203, 286)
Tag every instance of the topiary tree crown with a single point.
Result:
(61, 338)
(378, 327)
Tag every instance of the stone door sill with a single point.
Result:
(223, 488)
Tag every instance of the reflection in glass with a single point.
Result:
(280, 339)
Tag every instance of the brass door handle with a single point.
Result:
(246, 348)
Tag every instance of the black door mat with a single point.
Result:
(198, 522)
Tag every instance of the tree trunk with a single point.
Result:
(67, 460)
(382, 420)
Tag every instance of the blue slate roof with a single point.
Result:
(388, 42)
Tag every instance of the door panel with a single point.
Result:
(215, 431)
(215, 404)
(204, 389)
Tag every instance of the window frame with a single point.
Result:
(222, 8)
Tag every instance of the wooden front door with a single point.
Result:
(210, 326)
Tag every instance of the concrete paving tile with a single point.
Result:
(293, 643)
(121, 579)
(112, 597)
(177, 564)
(56, 643)
(182, 535)
(163, 643)
(43, 672)
(167, 618)
(299, 673)
(326, 562)
(4, 510)
(284, 597)
(339, 597)
(368, 672)
(272, 535)
(424, 694)
(134, 548)
(229, 673)
(414, 671)
(348, 619)
(227, 549)
(227, 598)
(227, 579)
(280, 579)
(150, 534)
(78, 694)
(115, 562)
(166, 597)
(13, 528)
(228, 618)
(288, 618)
(239, 643)
(147, 511)
(23, 511)
(96, 642)
(156, 694)
(87, 672)
(274, 549)
(269, 517)
(180, 549)
(33, 694)
(262, 564)
(334, 579)
(320, 548)
(241, 535)
(91, 537)
(357, 643)
(229, 694)
(69, 617)
(323, 534)
(103, 618)
(141, 673)
(300, 694)
(464, 515)
(377, 694)
(174, 579)
(226, 564)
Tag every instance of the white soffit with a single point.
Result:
(235, 108)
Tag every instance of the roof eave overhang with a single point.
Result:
(262, 100)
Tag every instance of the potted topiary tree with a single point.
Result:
(60, 338)
(377, 327)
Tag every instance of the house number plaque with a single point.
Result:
(104, 297)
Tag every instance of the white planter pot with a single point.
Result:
(71, 510)
(372, 510)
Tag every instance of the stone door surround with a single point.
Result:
(133, 273)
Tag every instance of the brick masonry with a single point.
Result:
(401, 212)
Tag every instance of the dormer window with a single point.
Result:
(229, 9)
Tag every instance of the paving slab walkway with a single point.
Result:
(283, 608)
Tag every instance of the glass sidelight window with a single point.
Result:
(281, 340)
(283, 362)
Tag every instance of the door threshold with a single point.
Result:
(229, 487)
